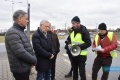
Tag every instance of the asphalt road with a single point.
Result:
(90, 59)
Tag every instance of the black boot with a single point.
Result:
(119, 77)
(68, 75)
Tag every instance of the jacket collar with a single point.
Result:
(17, 26)
(102, 36)
(41, 33)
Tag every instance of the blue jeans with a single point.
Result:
(43, 75)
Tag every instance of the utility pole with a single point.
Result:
(96, 27)
(65, 26)
(13, 4)
(28, 25)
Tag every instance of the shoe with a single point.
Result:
(68, 75)
(53, 79)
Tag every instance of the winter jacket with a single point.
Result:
(19, 50)
(43, 48)
(85, 37)
(55, 41)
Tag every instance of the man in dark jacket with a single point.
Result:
(44, 51)
(19, 50)
(79, 35)
(56, 45)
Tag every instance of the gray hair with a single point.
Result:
(18, 13)
(44, 21)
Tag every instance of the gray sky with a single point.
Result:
(59, 12)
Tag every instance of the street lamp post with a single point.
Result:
(28, 10)
(13, 4)
(65, 26)
(28, 25)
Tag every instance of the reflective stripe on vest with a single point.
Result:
(110, 36)
(78, 40)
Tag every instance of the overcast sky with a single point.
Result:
(59, 12)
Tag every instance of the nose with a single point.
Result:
(27, 22)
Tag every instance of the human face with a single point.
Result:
(75, 25)
(45, 27)
(23, 21)
(49, 28)
(102, 32)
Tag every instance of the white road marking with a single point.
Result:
(65, 54)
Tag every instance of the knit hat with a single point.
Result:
(76, 19)
(102, 26)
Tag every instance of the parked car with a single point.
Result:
(61, 34)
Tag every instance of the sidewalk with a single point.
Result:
(62, 68)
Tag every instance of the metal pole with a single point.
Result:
(65, 26)
(28, 25)
(96, 28)
(12, 6)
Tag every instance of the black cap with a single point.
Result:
(76, 19)
(102, 26)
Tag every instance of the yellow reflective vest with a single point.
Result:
(78, 39)
(110, 36)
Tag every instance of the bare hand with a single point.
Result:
(52, 56)
(32, 67)
(69, 45)
(102, 50)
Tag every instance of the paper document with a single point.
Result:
(98, 48)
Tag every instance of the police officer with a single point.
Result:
(80, 35)
(108, 42)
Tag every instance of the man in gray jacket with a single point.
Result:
(19, 50)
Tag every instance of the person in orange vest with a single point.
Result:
(107, 43)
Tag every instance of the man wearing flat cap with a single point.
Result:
(107, 43)
(81, 36)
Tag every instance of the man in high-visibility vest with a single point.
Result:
(107, 43)
(81, 36)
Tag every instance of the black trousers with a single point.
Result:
(79, 63)
(98, 63)
(21, 76)
(53, 67)
(70, 58)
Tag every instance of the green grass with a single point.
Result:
(61, 37)
(2, 39)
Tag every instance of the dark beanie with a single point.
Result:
(76, 19)
(102, 26)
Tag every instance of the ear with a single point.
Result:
(19, 18)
